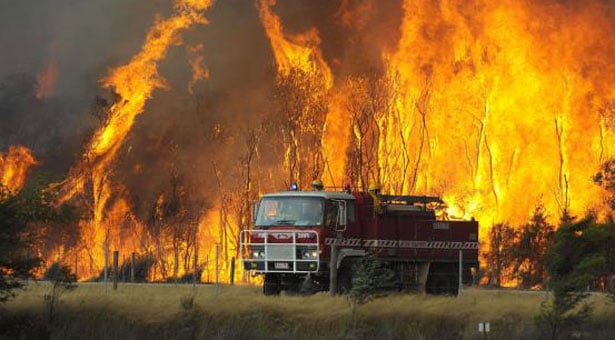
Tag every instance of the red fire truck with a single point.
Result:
(316, 240)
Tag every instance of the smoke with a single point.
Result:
(86, 37)
(73, 42)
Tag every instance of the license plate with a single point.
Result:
(280, 265)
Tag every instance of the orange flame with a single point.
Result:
(134, 84)
(499, 105)
(211, 239)
(14, 167)
(199, 72)
(299, 51)
(335, 138)
(495, 114)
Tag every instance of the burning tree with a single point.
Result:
(301, 101)
(133, 84)
(369, 102)
(302, 84)
(175, 225)
(234, 212)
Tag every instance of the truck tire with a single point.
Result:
(307, 286)
(271, 285)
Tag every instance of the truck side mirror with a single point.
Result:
(254, 211)
(341, 216)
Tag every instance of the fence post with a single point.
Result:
(232, 270)
(194, 275)
(116, 255)
(132, 267)
(106, 272)
(27, 263)
(217, 267)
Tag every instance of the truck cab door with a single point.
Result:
(255, 206)
(341, 219)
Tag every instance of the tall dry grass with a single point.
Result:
(241, 312)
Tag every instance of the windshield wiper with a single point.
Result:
(285, 221)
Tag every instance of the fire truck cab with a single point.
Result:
(302, 241)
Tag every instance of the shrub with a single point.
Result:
(371, 278)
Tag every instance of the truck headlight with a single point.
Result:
(310, 255)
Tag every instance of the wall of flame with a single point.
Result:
(495, 106)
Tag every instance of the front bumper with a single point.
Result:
(261, 266)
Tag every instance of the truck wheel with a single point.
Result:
(452, 287)
(272, 285)
(442, 280)
(307, 286)
(435, 284)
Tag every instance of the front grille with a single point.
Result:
(264, 251)
(280, 251)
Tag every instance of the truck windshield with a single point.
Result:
(295, 211)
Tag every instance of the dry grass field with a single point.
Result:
(140, 311)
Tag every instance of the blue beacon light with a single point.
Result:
(293, 186)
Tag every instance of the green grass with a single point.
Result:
(240, 312)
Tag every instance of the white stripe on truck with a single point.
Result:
(355, 242)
